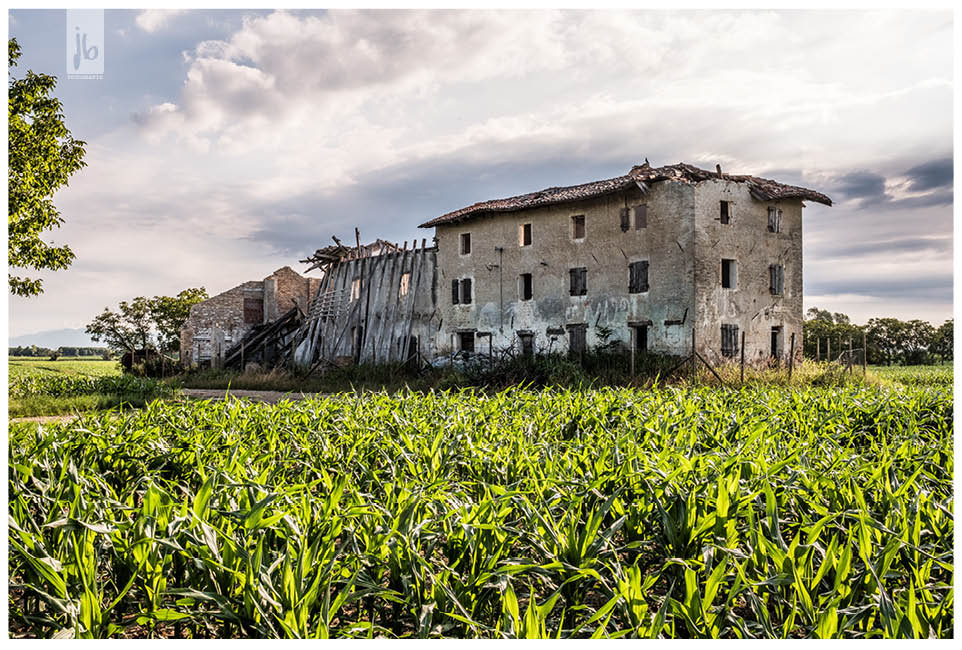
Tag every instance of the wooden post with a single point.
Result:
(743, 358)
(850, 354)
(791, 357)
(631, 339)
(357, 237)
(828, 352)
(694, 358)
(864, 356)
(818, 348)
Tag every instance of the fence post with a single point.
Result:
(828, 351)
(864, 356)
(693, 357)
(743, 358)
(818, 348)
(631, 339)
(791, 357)
(850, 364)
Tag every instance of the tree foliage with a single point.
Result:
(145, 323)
(888, 340)
(41, 156)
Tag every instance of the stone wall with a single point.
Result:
(219, 322)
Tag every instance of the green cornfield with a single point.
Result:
(673, 512)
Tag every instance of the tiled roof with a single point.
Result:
(760, 188)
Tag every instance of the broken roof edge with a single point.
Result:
(761, 189)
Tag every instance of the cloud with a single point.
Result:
(154, 20)
(275, 131)
(934, 174)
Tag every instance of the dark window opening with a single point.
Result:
(253, 311)
(726, 212)
(455, 292)
(641, 337)
(774, 220)
(776, 279)
(776, 342)
(728, 274)
(467, 341)
(527, 343)
(466, 243)
(638, 277)
(357, 336)
(526, 286)
(578, 226)
(577, 342)
(641, 216)
(625, 220)
(525, 234)
(466, 291)
(729, 334)
(579, 281)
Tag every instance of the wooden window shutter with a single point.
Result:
(641, 216)
(638, 277)
(466, 291)
(455, 292)
(625, 224)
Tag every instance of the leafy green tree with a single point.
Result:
(145, 323)
(170, 313)
(942, 341)
(128, 328)
(41, 156)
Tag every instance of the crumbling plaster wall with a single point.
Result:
(746, 239)
(606, 251)
(225, 312)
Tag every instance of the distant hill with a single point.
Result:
(54, 339)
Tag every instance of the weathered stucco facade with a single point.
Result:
(657, 253)
(497, 260)
(218, 322)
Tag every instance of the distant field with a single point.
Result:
(70, 366)
(940, 376)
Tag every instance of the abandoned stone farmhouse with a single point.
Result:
(642, 260)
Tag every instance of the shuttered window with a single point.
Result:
(466, 291)
(625, 216)
(253, 311)
(524, 234)
(641, 216)
(525, 285)
(579, 281)
(638, 277)
(726, 212)
(578, 227)
(729, 334)
(466, 243)
(776, 279)
(774, 220)
(576, 338)
(728, 274)
(455, 292)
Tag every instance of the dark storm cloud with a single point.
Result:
(931, 175)
(932, 287)
(849, 247)
(865, 185)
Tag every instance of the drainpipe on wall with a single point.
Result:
(500, 250)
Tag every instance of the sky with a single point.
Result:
(222, 145)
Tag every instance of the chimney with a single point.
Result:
(718, 168)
